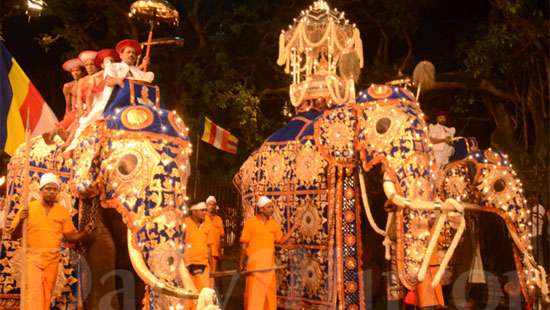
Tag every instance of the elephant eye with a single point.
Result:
(382, 125)
(171, 260)
(127, 164)
(499, 185)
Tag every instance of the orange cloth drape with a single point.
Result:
(217, 226)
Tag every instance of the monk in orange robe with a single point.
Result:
(258, 238)
(48, 223)
(219, 232)
(199, 237)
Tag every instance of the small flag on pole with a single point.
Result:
(218, 137)
(20, 101)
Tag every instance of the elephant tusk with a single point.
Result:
(150, 279)
(431, 246)
(450, 252)
(401, 202)
(366, 205)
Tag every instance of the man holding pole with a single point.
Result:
(258, 238)
(47, 224)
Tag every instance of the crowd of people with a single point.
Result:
(94, 75)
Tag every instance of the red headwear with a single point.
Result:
(128, 42)
(87, 55)
(104, 53)
(70, 64)
(439, 113)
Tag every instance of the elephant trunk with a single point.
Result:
(138, 262)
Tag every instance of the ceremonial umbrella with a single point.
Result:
(154, 12)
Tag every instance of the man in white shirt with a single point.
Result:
(441, 137)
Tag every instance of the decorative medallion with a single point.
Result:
(455, 186)
(137, 117)
(349, 239)
(351, 287)
(164, 259)
(310, 221)
(351, 263)
(339, 135)
(335, 133)
(349, 193)
(309, 164)
(275, 167)
(349, 216)
(311, 275)
(379, 91)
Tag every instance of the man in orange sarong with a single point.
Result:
(48, 223)
(219, 232)
(258, 238)
(199, 237)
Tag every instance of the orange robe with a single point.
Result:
(261, 287)
(198, 239)
(217, 225)
(44, 234)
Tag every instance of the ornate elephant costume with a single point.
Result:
(138, 163)
(312, 169)
(135, 160)
(486, 179)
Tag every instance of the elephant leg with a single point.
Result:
(100, 256)
(131, 288)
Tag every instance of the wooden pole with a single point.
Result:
(25, 201)
(196, 180)
(149, 43)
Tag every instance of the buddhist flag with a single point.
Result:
(218, 137)
(17, 97)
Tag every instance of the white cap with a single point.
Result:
(48, 178)
(264, 200)
(198, 206)
(211, 199)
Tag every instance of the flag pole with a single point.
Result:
(196, 180)
(25, 198)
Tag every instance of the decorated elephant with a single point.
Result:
(135, 161)
(312, 169)
(486, 180)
